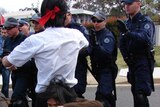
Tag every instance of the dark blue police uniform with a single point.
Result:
(81, 68)
(136, 47)
(104, 69)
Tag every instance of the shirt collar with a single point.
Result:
(136, 17)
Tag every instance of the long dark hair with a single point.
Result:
(59, 91)
(60, 16)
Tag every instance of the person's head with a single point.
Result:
(68, 18)
(99, 20)
(131, 7)
(24, 27)
(53, 13)
(11, 25)
(3, 32)
(35, 24)
(58, 92)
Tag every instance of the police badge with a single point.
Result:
(146, 26)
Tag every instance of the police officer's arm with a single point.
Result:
(83, 52)
(106, 47)
(123, 47)
(144, 35)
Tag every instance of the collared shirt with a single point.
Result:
(55, 51)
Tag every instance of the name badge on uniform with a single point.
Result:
(146, 26)
(106, 40)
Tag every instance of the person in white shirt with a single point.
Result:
(55, 50)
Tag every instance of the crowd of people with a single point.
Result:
(50, 64)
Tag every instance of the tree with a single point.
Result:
(94, 5)
(115, 8)
(151, 8)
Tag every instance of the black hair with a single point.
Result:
(59, 90)
(60, 17)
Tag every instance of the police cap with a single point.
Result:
(11, 22)
(129, 1)
(99, 15)
(36, 17)
(23, 22)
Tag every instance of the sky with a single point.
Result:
(15, 5)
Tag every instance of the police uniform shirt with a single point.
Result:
(55, 51)
(10, 43)
(106, 42)
(140, 35)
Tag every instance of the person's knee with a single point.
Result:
(141, 100)
(19, 103)
(107, 101)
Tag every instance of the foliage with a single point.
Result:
(114, 7)
(94, 5)
(157, 56)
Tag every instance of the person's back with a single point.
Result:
(67, 55)
(81, 67)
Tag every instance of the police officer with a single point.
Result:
(24, 27)
(33, 69)
(103, 57)
(5, 72)
(136, 46)
(21, 75)
(81, 68)
(36, 26)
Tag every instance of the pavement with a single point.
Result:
(119, 80)
(121, 77)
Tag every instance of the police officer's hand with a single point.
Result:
(122, 26)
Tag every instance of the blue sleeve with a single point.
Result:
(123, 46)
(106, 46)
(144, 35)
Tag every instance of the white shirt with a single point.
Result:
(55, 51)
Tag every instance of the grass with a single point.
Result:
(121, 63)
(157, 56)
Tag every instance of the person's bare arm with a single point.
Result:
(7, 64)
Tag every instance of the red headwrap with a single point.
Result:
(49, 14)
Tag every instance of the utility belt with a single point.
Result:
(140, 54)
(132, 58)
